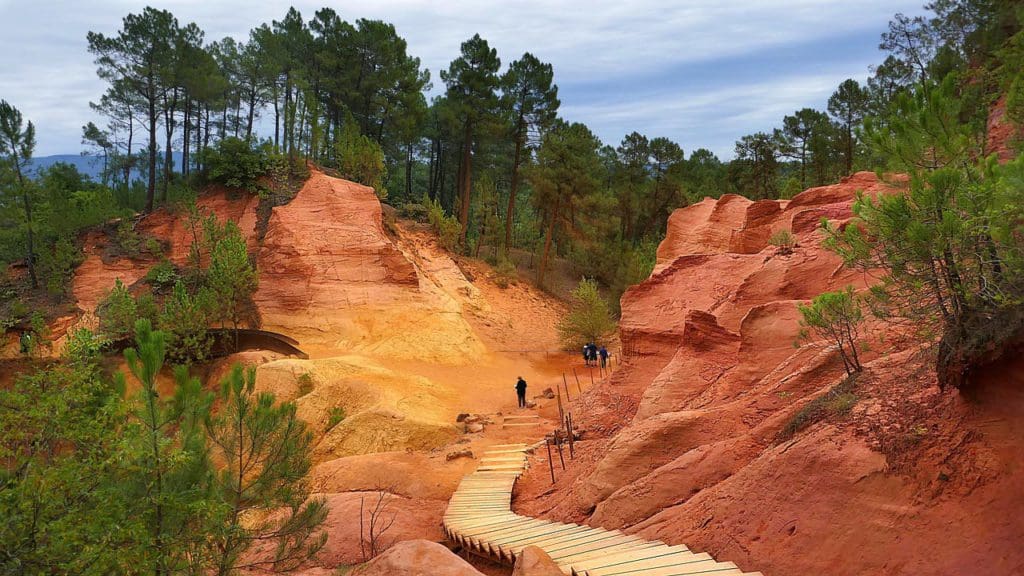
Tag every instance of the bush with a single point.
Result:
(185, 318)
(84, 347)
(835, 316)
(448, 229)
(56, 263)
(127, 240)
(783, 240)
(505, 273)
(361, 159)
(415, 211)
(306, 384)
(589, 318)
(162, 276)
(117, 312)
(335, 416)
(235, 163)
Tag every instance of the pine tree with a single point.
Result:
(530, 99)
(17, 143)
(472, 81)
(265, 450)
(848, 105)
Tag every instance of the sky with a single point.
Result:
(700, 72)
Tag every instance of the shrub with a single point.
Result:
(57, 262)
(162, 276)
(117, 312)
(783, 240)
(235, 163)
(448, 229)
(415, 211)
(84, 347)
(335, 416)
(835, 316)
(306, 385)
(361, 159)
(505, 273)
(185, 318)
(127, 240)
(589, 318)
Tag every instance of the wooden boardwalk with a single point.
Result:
(479, 517)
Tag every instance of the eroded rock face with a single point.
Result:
(330, 276)
(417, 558)
(711, 368)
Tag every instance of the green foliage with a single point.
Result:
(836, 317)
(56, 264)
(306, 384)
(335, 416)
(505, 272)
(415, 211)
(265, 448)
(589, 318)
(84, 348)
(235, 163)
(837, 401)
(127, 239)
(185, 319)
(447, 227)
(231, 277)
(360, 159)
(117, 312)
(63, 509)
(162, 276)
(784, 240)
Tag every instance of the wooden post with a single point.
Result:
(576, 376)
(560, 457)
(591, 377)
(566, 385)
(561, 412)
(551, 465)
(568, 425)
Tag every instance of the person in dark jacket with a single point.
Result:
(521, 392)
(604, 356)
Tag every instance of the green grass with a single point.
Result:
(335, 416)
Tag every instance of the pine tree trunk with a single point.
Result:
(466, 180)
(548, 238)
(151, 187)
(510, 213)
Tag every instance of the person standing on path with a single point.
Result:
(521, 392)
(604, 356)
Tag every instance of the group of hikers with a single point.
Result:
(591, 353)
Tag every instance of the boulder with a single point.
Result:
(533, 561)
(416, 558)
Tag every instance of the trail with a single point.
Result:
(479, 517)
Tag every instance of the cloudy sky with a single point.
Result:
(701, 72)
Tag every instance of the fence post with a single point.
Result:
(551, 465)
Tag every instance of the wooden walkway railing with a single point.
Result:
(480, 518)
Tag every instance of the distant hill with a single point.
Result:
(88, 165)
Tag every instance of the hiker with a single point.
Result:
(586, 353)
(521, 392)
(26, 343)
(592, 354)
(604, 356)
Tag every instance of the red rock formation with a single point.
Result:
(910, 481)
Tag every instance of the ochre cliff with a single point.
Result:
(686, 442)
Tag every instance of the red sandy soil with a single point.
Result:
(683, 443)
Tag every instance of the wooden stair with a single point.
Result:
(480, 518)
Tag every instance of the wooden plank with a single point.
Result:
(708, 567)
(629, 557)
(603, 548)
(685, 561)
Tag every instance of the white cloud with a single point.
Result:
(621, 46)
